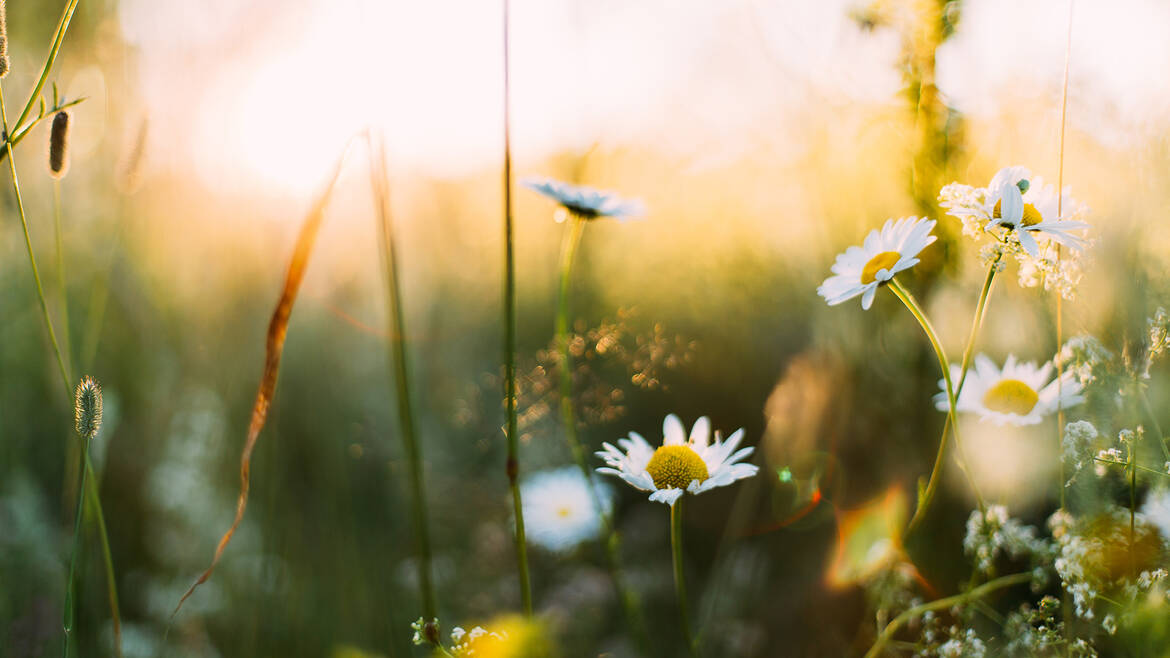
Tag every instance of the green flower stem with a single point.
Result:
(942, 604)
(680, 584)
(67, 614)
(512, 466)
(912, 305)
(976, 324)
(401, 371)
(610, 538)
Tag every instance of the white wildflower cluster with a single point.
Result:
(1026, 219)
(1086, 358)
(423, 630)
(939, 639)
(995, 533)
(1158, 333)
(1077, 447)
(965, 645)
(1039, 631)
(463, 642)
(1074, 563)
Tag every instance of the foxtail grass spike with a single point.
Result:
(59, 145)
(3, 39)
(87, 408)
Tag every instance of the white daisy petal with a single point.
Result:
(673, 431)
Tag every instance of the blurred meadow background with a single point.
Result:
(763, 137)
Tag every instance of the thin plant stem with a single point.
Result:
(610, 538)
(912, 305)
(680, 583)
(1059, 296)
(1132, 502)
(67, 613)
(942, 604)
(401, 372)
(54, 49)
(512, 466)
(1064, 602)
(968, 352)
(95, 509)
(61, 290)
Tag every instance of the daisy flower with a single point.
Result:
(559, 512)
(862, 270)
(1035, 215)
(681, 464)
(1019, 394)
(1020, 213)
(585, 202)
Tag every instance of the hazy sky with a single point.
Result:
(270, 90)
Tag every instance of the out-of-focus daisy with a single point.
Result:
(585, 202)
(1019, 394)
(1024, 216)
(1156, 509)
(885, 252)
(559, 512)
(693, 464)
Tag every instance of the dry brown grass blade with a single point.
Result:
(277, 330)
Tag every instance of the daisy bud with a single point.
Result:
(3, 39)
(87, 408)
(59, 145)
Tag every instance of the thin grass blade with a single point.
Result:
(274, 347)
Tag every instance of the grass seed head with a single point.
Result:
(87, 408)
(3, 39)
(59, 145)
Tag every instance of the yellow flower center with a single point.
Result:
(564, 512)
(1031, 215)
(675, 467)
(1011, 396)
(882, 261)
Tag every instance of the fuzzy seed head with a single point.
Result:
(3, 39)
(87, 408)
(59, 145)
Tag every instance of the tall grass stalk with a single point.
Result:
(89, 479)
(70, 590)
(680, 582)
(952, 413)
(610, 537)
(927, 495)
(401, 372)
(512, 466)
